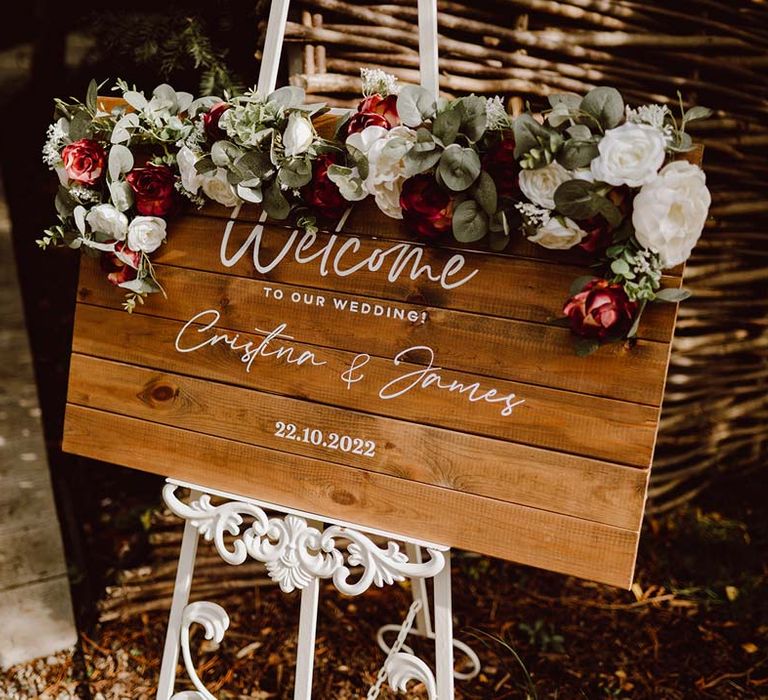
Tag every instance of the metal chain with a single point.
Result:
(405, 629)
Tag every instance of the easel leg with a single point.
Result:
(419, 591)
(444, 632)
(180, 600)
(305, 660)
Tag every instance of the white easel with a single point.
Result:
(297, 551)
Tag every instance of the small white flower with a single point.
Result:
(190, 178)
(533, 215)
(146, 233)
(559, 233)
(298, 135)
(376, 81)
(669, 212)
(630, 154)
(217, 187)
(540, 184)
(104, 218)
(653, 115)
(496, 114)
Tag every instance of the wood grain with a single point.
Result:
(511, 287)
(592, 426)
(575, 486)
(495, 347)
(530, 536)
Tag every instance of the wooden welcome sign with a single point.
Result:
(366, 377)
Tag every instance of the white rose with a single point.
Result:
(539, 185)
(559, 234)
(630, 154)
(104, 218)
(190, 178)
(217, 187)
(385, 151)
(146, 233)
(670, 211)
(298, 135)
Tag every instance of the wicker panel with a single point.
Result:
(716, 407)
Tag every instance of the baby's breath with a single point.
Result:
(376, 81)
(533, 215)
(496, 115)
(55, 139)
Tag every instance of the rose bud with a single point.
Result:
(211, 121)
(600, 310)
(499, 162)
(374, 111)
(322, 195)
(84, 161)
(153, 189)
(427, 207)
(122, 265)
(599, 231)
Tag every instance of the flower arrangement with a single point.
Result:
(589, 173)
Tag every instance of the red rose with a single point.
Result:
(427, 207)
(599, 231)
(211, 121)
(501, 165)
(153, 189)
(600, 309)
(322, 195)
(374, 111)
(122, 265)
(84, 161)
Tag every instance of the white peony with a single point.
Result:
(190, 178)
(670, 212)
(298, 135)
(146, 233)
(217, 187)
(540, 184)
(559, 233)
(630, 154)
(104, 218)
(385, 151)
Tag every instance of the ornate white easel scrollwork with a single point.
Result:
(298, 555)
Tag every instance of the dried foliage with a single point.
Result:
(715, 54)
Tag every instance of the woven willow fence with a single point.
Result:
(715, 53)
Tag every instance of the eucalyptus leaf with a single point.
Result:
(621, 267)
(80, 126)
(250, 194)
(485, 193)
(581, 132)
(528, 134)
(579, 283)
(224, 153)
(205, 165)
(697, 113)
(295, 173)
(120, 161)
(65, 203)
(473, 111)
(577, 199)
(275, 203)
(288, 96)
(120, 131)
(498, 240)
(606, 105)
(470, 222)
(135, 99)
(92, 95)
(571, 100)
(577, 154)
(446, 126)
(417, 162)
(459, 167)
(252, 164)
(415, 105)
(673, 295)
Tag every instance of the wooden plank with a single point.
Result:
(530, 536)
(517, 288)
(575, 486)
(602, 428)
(495, 347)
(367, 220)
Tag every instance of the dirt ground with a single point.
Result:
(695, 625)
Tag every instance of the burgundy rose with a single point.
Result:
(499, 162)
(600, 309)
(322, 195)
(427, 207)
(153, 189)
(211, 121)
(84, 161)
(599, 231)
(374, 111)
(122, 265)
